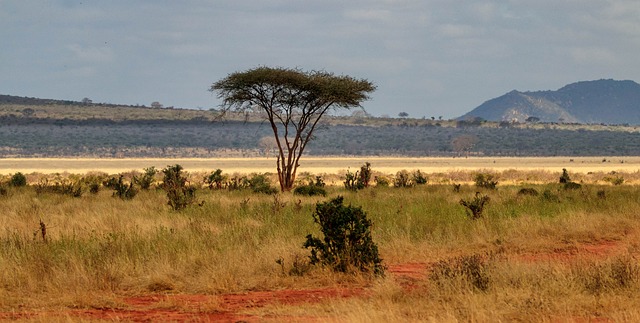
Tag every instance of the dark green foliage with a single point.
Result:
(215, 180)
(564, 178)
(419, 178)
(472, 271)
(313, 188)
(360, 179)
(528, 191)
(179, 193)
(351, 181)
(402, 179)
(146, 179)
(121, 189)
(18, 180)
(475, 206)
(485, 181)
(260, 183)
(347, 242)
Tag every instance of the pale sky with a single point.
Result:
(427, 57)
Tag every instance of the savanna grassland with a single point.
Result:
(551, 252)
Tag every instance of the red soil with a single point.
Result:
(230, 307)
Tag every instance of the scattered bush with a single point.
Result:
(311, 189)
(147, 178)
(215, 180)
(456, 188)
(419, 178)
(618, 180)
(347, 242)
(475, 206)
(564, 178)
(18, 180)
(381, 181)
(485, 181)
(402, 179)
(121, 189)
(360, 179)
(179, 193)
(260, 183)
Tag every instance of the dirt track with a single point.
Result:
(232, 307)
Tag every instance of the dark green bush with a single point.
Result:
(359, 180)
(179, 193)
(347, 242)
(485, 181)
(18, 180)
(121, 189)
(146, 179)
(215, 180)
(260, 183)
(313, 188)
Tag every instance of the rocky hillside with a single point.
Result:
(601, 101)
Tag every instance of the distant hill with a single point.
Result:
(601, 101)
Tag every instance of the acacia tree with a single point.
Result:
(294, 102)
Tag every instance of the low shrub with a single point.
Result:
(215, 180)
(179, 193)
(475, 206)
(147, 178)
(260, 183)
(402, 179)
(347, 243)
(312, 188)
(18, 180)
(121, 189)
(485, 181)
(419, 178)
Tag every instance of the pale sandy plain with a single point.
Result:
(323, 165)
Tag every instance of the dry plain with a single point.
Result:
(325, 165)
(565, 256)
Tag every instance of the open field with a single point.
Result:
(325, 165)
(559, 256)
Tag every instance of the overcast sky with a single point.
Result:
(427, 57)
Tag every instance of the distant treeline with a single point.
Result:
(44, 137)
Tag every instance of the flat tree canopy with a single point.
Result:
(294, 101)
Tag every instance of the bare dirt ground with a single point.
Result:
(320, 165)
(234, 307)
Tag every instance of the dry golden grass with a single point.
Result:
(574, 257)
